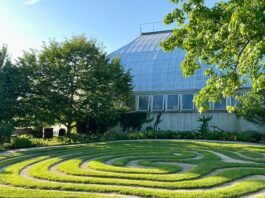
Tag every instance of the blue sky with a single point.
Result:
(25, 24)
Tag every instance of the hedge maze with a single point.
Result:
(145, 168)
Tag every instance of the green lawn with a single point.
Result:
(137, 169)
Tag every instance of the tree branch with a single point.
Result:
(240, 54)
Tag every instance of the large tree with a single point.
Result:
(71, 81)
(228, 37)
(11, 87)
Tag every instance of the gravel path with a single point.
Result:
(225, 158)
(135, 163)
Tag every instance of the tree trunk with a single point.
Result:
(69, 129)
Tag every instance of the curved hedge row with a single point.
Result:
(136, 169)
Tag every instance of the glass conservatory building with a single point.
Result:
(159, 86)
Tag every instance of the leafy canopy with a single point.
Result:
(71, 81)
(228, 37)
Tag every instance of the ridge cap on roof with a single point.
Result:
(157, 32)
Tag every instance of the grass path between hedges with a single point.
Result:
(143, 168)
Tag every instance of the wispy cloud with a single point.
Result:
(31, 2)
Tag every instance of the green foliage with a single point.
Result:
(5, 133)
(78, 138)
(247, 136)
(12, 87)
(21, 142)
(204, 126)
(228, 37)
(71, 81)
(26, 141)
(251, 136)
(166, 169)
(252, 107)
(101, 125)
(134, 120)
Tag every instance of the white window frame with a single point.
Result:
(152, 103)
(181, 107)
(230, 100)
(178, 105)
(138, 102)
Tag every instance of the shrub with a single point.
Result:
(51, 142)
(5, 133)
(250, 136)
(26, 141)
(21, 142)
(149, 128)
(48, 133)
(7, 146)
(99, 125)
(204, 123)
(2, 147)
(87, 127)
(134, 120)
(62, 132)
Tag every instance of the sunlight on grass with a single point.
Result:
(137, 168)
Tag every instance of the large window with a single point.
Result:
(187, 102)
(173, 102)
(143, 103)
(220, 105)
(158, 103)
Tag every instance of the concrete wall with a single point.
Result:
(56, 129)
(188, 121)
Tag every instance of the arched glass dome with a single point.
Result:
(153, 69)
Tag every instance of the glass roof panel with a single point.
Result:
(154, 70)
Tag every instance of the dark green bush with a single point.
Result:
(5, 133)
(48, 133)
(134, 120)
(21, 142)
(224, 136)
(97, 126)
(250, 136)
(88, 126)
(26, 141)
(2, 148)
(204, 123)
